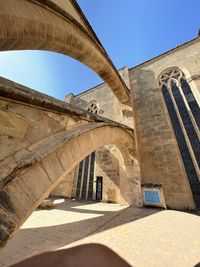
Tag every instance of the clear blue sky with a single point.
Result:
(132, 31)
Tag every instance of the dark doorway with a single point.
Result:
(99, 188)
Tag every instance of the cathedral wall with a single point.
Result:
(160, 159)
(107, 159)
(109, 106)
(108, 166)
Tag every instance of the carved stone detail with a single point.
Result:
(170, 76)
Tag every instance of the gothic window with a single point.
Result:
(93, 107)
(184, 114)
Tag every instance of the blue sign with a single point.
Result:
(152, 196)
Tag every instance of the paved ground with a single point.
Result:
(144, 237)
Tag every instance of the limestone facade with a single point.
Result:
(160, 157)
(140, 126)
(42, 140)
(108, 161)
(157, 148)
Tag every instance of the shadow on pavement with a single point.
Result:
(31, 241)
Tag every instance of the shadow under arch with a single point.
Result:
(55, 157)
(110, 164)
(43, 25)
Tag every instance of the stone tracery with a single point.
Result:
(173, 75)
(93, 107)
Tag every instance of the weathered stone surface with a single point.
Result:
(36, 181)
(36, 132)
(104, 97)
(43, 139)
(10, 145)
(108, 166)
(29, 175)
(65, 187)
(52, 166)
(12, 126)
(107, 162)
(18, 162)
(160, 158)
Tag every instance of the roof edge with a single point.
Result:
(186, 44)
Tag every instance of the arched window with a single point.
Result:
(184, 114)
(93, 107)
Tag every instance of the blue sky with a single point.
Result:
(131, 31)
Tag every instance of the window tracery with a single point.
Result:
(184, 114)
(93, 107)
(170, 76)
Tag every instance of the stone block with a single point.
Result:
(12, 125)
(37, 182)
(52, 166)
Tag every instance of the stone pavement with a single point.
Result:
(144, 237)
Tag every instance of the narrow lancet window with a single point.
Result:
(184, 114)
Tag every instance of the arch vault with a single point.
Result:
(47, 162)
(42, 139)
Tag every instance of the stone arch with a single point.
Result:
(110, 165)
(43, 25)
(47, 162)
